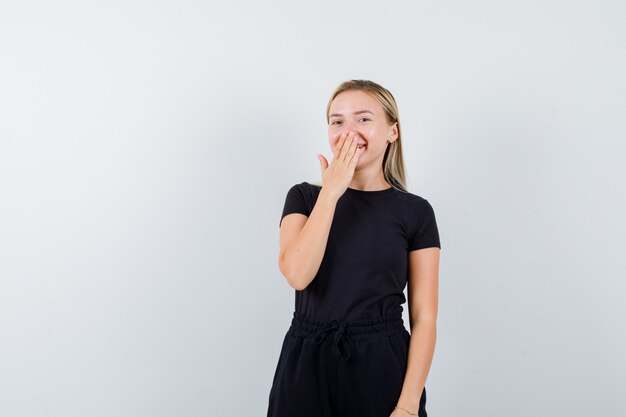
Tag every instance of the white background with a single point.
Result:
(146, 148)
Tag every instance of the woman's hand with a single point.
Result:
(337, 176)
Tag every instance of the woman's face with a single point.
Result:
(361, 113)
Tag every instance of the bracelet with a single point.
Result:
(413, 414)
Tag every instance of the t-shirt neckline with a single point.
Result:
(363, 192)
(368, 192)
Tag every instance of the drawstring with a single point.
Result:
(340, 327)
(344, 331)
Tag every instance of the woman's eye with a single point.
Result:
(339, 121)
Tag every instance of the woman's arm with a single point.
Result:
(303, 241)
(422, 289)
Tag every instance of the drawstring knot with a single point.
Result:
(340, 349)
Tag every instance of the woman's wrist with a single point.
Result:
(328, 196)
(406, 410)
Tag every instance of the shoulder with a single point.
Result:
(409, 196)
(304, 191)
(312, 186)
(308, 189)
(416, 208)
(412, 200)
(422, 221)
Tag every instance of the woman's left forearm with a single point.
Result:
(419, 360)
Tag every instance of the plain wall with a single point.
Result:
(146, 148)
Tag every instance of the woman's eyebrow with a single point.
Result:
(356, 112)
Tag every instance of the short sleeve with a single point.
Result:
(425, 233)
(295, 202)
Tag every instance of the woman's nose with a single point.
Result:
(352, 129)
(356, 133)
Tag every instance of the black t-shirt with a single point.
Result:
(364, 269)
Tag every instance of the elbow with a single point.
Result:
(296, 285)
(294, 281)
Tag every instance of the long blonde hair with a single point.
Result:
(393, 162)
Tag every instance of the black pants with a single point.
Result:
(341, 369)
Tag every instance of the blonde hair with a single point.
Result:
(393, 162)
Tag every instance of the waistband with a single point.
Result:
(345, 330)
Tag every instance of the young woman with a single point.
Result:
(348, 248)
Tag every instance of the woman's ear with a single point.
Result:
(393, 132)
